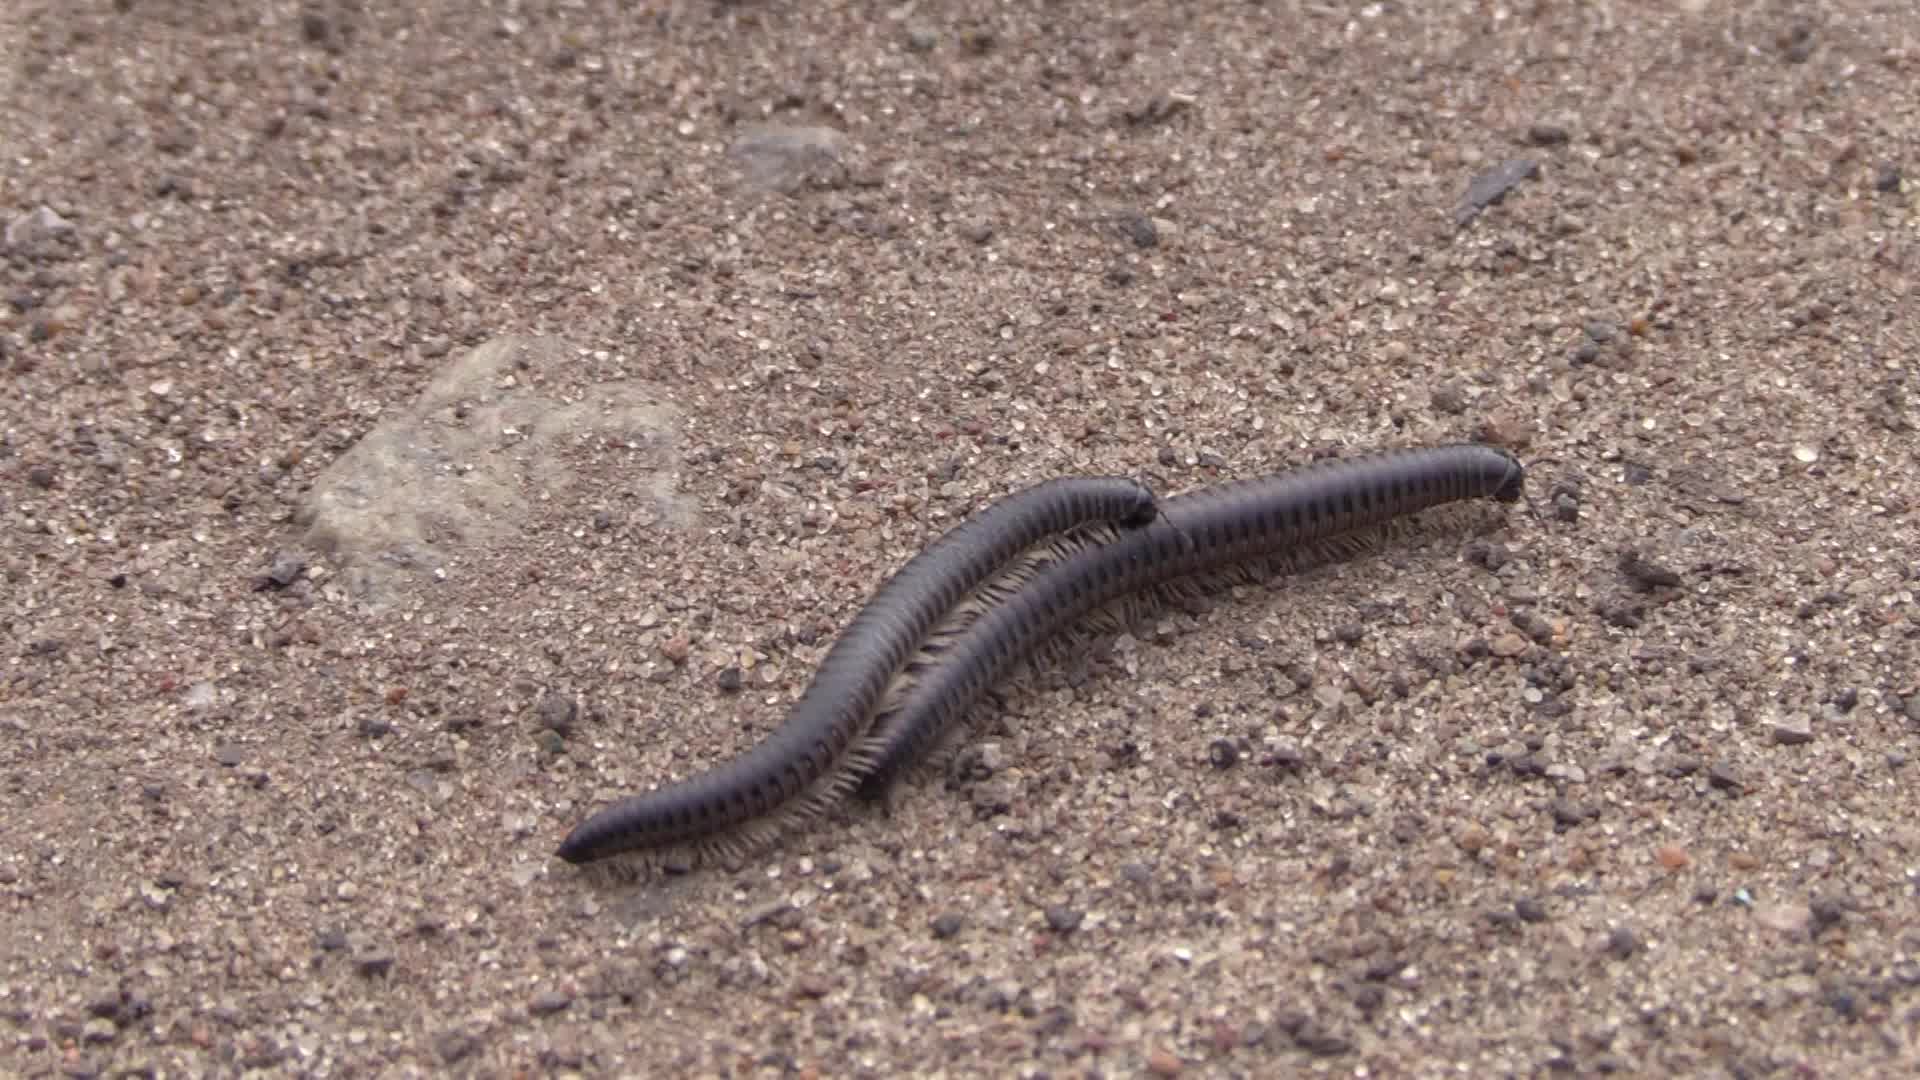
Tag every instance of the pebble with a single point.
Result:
(556, 712)
(1491, 186)
(548, 1002)
(729, 680)
(1792, 920)
(1509, 645)
(676, 649)
(1645, 573)
(1672, 856)
(1623, 942)
(374, 963)
(1722, 775)
(1062, 919)
(1792, 729)
(36, 230)
(1161, 1062)
(782, 158)
(947, 924)
(1223, 753)
(1140, 229)
(1449, 398)
(286, 568)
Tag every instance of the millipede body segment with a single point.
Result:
(1194, 533)
(788, 766)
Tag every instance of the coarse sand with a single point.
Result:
(422, 423)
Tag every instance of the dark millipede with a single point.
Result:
(787, 767)
(1194, 533)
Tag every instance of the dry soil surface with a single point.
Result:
(319, 629)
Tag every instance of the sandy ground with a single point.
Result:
(1625, 787)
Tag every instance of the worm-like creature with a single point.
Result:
(788, 767)
(1195, 533)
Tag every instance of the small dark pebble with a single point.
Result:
(285, 569)
(1156, 109)
(1722, 775)
(1645, 573)
(331, 940)
(1137, 873)
(118, 581)
(1796, 45)
(1223, 753)
(1349, 633)
(40, 476)
(1887, 179)
(454, 1046)
(1064, 920)
(556, 712)
(1320, 1042)
(729, 680)
(1705, 894)
(1567, 813)
(1487, 554)
(1532, 625)
(1566, 508)
(375, 964)
(1636, 474)
(1827, 912)
(548, 1002)
(1140, 229)
(1492, 186)
(1530, 910)
(1449, 398)
(1622, 942)
(373, 727)
(230, 755)
(947, 923)
(1628, 615)
(1547, 135)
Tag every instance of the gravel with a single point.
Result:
(568, 374)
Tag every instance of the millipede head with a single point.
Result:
(1514, 484)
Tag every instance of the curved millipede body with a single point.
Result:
(1195, 533)
(839, 704)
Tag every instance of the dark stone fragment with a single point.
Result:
(1492, 186)
(1223, 753)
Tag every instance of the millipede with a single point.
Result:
(1193, 534)
(795, 772)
